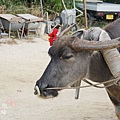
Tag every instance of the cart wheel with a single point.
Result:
(58, 20)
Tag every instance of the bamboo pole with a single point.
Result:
(85, 14)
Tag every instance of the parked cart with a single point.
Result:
(11, 22)
(65, 18)
(32, 22)
(68, 16)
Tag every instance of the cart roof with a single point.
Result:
(30, 17)
(11, 18)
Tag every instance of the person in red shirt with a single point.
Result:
(53, 35)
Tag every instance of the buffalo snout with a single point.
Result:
(41, 90)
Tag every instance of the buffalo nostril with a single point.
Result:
(36, 91)
(41, 88)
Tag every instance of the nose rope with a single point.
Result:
(115, 82)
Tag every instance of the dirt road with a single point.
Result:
(20, 66)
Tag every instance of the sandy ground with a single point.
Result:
(20, 66)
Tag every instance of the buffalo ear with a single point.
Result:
(79, 33)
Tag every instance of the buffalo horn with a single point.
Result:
(66, 30)
(80, 44)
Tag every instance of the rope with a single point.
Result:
(115, 82)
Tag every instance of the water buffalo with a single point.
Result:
(69, 63)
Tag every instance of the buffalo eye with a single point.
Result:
(68, 57)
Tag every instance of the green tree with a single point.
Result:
(56, 5)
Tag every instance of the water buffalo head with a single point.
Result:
(70, 58)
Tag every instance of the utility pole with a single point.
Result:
(85, 14)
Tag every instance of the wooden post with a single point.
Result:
(85, 14)
(86, 26)
(41, 5)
